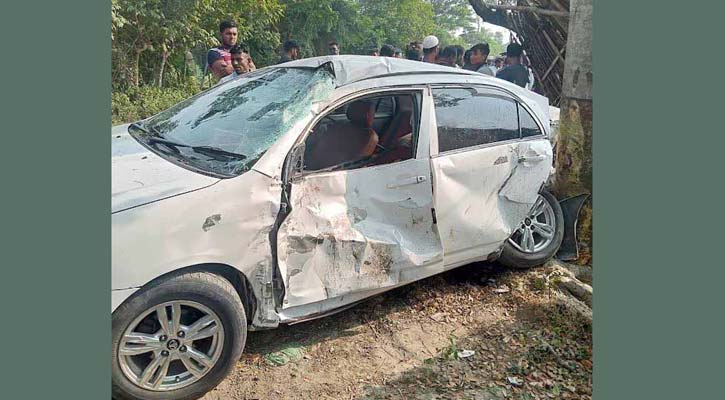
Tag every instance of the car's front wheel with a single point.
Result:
(177, 339)
(538, 237)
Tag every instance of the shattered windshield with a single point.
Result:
(226, 129)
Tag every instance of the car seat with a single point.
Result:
(344, 141)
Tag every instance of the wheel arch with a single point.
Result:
(238, 280)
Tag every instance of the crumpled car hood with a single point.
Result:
(139, 176)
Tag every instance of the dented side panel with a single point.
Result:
(228, 223)
(359, 230)
(473, 221)
(531, 169)
(483, 194)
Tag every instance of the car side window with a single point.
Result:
(529, 127)
(358, 134)
(467, 118)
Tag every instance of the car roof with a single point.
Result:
(354, 68)
(350, 69)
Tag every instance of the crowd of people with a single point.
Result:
(230, 59)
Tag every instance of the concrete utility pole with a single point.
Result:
(574, 145)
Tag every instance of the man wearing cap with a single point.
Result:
(514, 72)
(430, 49)
(478, 58)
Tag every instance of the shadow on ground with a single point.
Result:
(373, 309)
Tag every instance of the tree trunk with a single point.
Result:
(574, 140)
(164, 57)
(135, 66)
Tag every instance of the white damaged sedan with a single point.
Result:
(298, 189)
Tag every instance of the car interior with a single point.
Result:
(366, 132)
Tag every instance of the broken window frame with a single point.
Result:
(295, 162)
(519, 107)
(496, 121)
(490, 91)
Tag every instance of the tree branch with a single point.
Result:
(535, 10)
(498, 17)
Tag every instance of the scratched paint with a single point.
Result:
(353, 231)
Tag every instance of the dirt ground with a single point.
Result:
(409, 343)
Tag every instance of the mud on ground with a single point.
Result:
(408, 343)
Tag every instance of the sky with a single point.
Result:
(491, 28)
(496, 28)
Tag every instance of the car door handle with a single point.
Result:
(408, 181)
(536, 158)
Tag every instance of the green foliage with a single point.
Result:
(315, 23)
(138, 103)
(451, 15)
(146, 33)
(163, 43)
(450, 352)
(398, 22)
(494, 40)
(356, 25)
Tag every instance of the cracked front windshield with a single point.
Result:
(241, 118)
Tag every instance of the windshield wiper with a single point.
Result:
(147, 130)
(213, 152)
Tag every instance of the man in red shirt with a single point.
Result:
(219, 59)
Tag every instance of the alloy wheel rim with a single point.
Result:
(171, 345)
(537, 230)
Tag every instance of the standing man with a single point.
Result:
(414, 52)
(291, 51)
(514, 71)
(479, 55)
(430, 49)
(219, 59)
(333, 49)
(250, 62)
(448, 57)
(241, 62)
(387, 50)
(498, 63)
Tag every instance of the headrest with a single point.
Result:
(361, 113)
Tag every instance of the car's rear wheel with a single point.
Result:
(538, 237)
(177, 339)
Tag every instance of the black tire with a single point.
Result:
(515, 258)
(212, 291)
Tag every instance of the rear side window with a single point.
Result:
(467, 118)
(528, 125)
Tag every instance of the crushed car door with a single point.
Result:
(533, 163)
(361, 229)
(475, 153)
